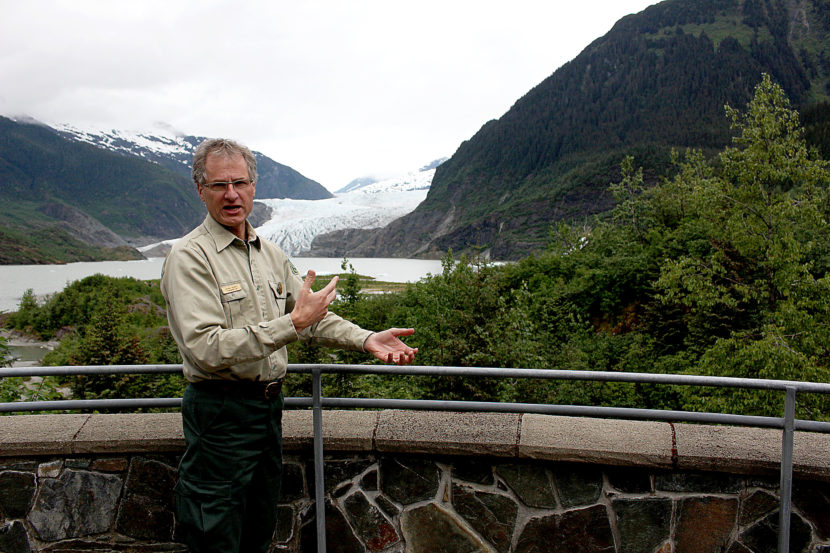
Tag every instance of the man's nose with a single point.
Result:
(231, 193)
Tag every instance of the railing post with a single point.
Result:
(786, 488)
(319, 479)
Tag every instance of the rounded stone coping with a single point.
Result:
(543, 437)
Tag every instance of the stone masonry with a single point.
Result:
(428, 482)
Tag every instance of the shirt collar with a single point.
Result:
(224, 238)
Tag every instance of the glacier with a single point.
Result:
(295, 223)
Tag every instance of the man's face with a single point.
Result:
(229, 207)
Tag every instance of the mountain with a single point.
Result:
(414, 180)
(73, 199)
(61, 192)
(174, 151)
(357, 183)
(657, 80)
(294, 224)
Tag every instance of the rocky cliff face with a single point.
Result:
(429, 232)
(81, 226)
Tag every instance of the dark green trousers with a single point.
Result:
(230, 474)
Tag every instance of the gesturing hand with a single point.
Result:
(388, 348)
(311, 307)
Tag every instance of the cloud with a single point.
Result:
(334, 89)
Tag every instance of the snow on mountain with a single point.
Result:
(173, 150)
(295, 223)
(162, 145)
(357, 183)
(414, 180)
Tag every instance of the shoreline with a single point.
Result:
(16, 339)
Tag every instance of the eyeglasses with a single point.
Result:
(238, 185)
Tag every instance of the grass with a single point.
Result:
(368, 285)
(53, 245)
(723, 27)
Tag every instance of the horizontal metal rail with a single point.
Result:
(71, 370)
(788, 423)
(547, 374)
(351, 403)
(554, 374)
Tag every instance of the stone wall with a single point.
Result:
(428, 482)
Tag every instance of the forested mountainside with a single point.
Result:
(61, 193)
(78, 200)
(658, 80)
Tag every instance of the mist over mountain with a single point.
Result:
(657, 81)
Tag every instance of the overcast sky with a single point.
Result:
(334, 89)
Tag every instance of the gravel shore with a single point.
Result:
(15, 339)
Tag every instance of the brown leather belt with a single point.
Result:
(248, 388)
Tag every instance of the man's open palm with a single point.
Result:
(387, 347)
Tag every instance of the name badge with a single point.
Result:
(229, 288)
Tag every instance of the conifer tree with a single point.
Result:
(761, 216)
(107, 341)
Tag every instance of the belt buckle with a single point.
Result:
(273, 389)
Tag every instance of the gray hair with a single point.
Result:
(224, 147)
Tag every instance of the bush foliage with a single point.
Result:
(103, 320)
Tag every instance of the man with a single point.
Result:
(234, 301)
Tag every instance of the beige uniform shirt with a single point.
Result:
(228, 304)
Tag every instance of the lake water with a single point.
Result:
(48, 279)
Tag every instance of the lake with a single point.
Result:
(48, 279)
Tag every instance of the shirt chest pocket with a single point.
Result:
(233, 297)
(279, 295)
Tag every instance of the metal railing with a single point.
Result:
(788, 423)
